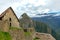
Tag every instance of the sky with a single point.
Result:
(31, 7)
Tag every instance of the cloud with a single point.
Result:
(31, 7)
(37, 2)
(56, 15)
(46, 10)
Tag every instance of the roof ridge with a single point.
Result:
(3, 13)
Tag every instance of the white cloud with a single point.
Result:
(57, 14)
(32, 7)
(15, 5)
(40, 15)
(46, 10)
(38, 2)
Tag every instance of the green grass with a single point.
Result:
(15, 28)
(27, 33)
(5, 36)
(36, 38)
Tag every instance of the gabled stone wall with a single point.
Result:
(10, 16)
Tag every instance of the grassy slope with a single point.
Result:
(15, 28)
(5, 36)
(27, 33)
(36, 38)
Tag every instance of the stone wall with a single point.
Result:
(17, 34)
(4, 26)
(30, 34)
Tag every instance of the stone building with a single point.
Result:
(10, 23)
(8, 19)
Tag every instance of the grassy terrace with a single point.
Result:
(5, 36)
(27, 33)
(36, 38)
(14, 28)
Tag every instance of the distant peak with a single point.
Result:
(24, 15)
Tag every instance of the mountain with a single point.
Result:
(53, 20)
(26, 22)
(39, 26)
(45, 28)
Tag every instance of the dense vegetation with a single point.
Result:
(41, 27)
